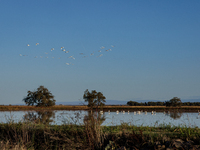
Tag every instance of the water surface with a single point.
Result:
(107, 118)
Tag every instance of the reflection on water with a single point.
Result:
(94, 118)
(105, 118)
(175, 115)
(153, 119)
(44, 117)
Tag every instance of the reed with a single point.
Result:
(89, 135)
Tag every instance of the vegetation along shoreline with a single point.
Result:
(37, 132)
(104, 108)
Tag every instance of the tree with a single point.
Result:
(93, 121)
(41, 97)
(174, 102)
(94, 99)
(133, 103)
(100, 101)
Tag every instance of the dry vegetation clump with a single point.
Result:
(35, 136)
(91, 135)
(9, 146)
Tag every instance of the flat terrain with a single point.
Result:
(91, 136)
(37, 133)
(105, 108)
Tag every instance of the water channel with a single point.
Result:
(107, 118)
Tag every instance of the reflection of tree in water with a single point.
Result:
(175, 114)
(94, 118)
(92, 124)
(44, 117)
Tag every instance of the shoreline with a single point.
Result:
(40, 136)
(106, 108)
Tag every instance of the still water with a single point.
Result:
(108, 118)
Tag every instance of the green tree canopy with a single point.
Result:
(94, 99)
(174, 102)
(41, 97)
(133, 103)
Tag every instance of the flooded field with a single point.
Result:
(137, 118)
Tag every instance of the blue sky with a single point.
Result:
(156, 53)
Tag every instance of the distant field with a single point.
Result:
(105, 108)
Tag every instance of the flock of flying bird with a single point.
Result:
(100, 53)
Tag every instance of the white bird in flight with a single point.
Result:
(102, 47)
(100, 55)
(108, 50)
(72, 57)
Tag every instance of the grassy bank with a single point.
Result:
(90, 135)
(105, 108)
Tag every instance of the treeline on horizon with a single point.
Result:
(134, 103)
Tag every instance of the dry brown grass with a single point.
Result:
(190, 107)
(124, 106)
(9, 146)
(56, 107)
(107, 107)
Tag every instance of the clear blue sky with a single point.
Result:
(156, 54)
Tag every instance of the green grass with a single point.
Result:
(88, 136)
(39, 134)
